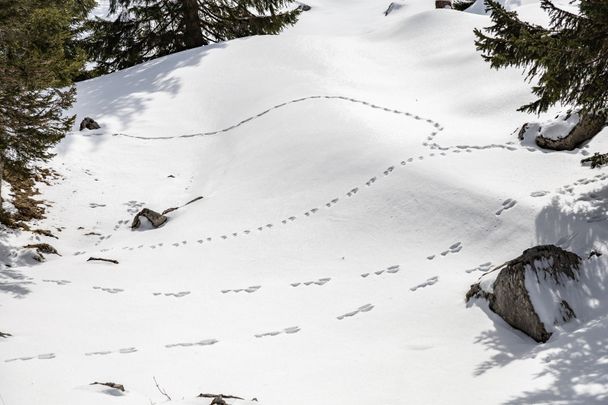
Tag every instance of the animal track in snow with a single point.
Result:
(389, 270)
(539, 193)
(170, 294)
(99, 353)
(454, 248)
(249, 290)
(506, 205)
(291, 330)
(482, 267)
(127, 350)
(206, 342)
(353, 192)
(389, 170)
(427, 283)
(321, 281)
(109, 290)
(46, 356)
(364, 308)
(58, 282)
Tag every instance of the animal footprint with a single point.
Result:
(176, 295)
(427, 283)
(506, 204)
(364, 308)
(482, 267)
(353, 192)
(249, 290)
(206, 342)
(102, 353)
(58, 282)
(127, 350)
(292, 330)
(109, 290)
(321, 281)
(273, 333)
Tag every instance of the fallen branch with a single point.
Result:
(218, 395)
(596, 160)
(161, 390)
(119, 387)
(102, 260)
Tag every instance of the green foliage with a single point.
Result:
(462, 5)
(140, 30)
(38, 59)
(569, 59)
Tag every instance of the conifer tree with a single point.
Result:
(569, 60)
(39, 56)
(140, 30)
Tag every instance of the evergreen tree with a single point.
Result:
(39, 56)
(569, 59)
(141, 30)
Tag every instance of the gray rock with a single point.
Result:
(89, 123)
(509, 297)
(154, 217)
(304, 7)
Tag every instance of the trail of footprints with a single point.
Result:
(135, 206)
(208, 342)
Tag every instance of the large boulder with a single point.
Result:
(530, 292)
(89, 123)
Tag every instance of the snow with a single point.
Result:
(349, 145)
(555, 128)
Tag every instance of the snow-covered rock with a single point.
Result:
(530, 292)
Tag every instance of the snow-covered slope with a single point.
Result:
(359, 172)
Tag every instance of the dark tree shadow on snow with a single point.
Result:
(577, 360)
(123, 94)
(13, 281)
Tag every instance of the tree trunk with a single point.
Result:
(588, 126)
(1, 178)
(193, 36)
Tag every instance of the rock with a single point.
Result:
(443, 3)
(154, 217)
(304, 7)
(218, 401)
(89, 123)
(522, 132)
(43, 248)
(527, 291)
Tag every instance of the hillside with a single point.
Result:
(359, 173)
